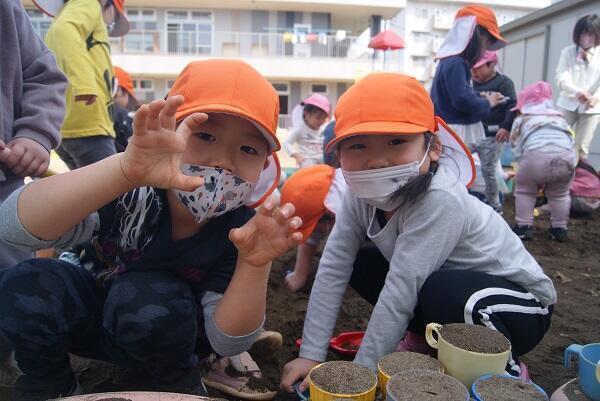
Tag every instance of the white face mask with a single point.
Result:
(377, 187)
(222, 192)
(587, 41)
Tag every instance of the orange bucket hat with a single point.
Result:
(397, 104)
(234, 87)
(486, 18)
(124, 80)
(307, 190)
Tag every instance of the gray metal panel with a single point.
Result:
(295, 94)
(514, 57)
(534, 56)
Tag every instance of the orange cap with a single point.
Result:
(231, 87)
(485, 17)
(383, 103)
(391, 103)
(124, 80)
(307, 189)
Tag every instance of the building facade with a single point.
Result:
(535, 43)
(302, 47)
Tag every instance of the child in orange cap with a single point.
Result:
(125, 104)
(439, 255)
(164, 232)
(316, 192)
(305, 142)
(474, 31)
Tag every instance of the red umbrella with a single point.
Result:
(387, 40)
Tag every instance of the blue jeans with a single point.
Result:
(80, 152)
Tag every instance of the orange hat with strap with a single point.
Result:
(396, 104)
(307, 190)
(124, 80)
(486, 18)
(234, 87)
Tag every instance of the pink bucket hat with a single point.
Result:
(488, 56)
(536, 99)
(319, 101)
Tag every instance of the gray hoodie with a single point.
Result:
(32, 88)
(447, 228)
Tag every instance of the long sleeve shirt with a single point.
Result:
(574, 76)
(79, 39)
(454, 98)
(32, 88)
(500, 116)
(446, 229)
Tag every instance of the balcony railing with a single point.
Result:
(234, 44)
(442, 22)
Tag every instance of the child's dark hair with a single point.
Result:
(309, 109)
(587, 24)
(416, 187)
(474, 49)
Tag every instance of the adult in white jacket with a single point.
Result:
(578, 78)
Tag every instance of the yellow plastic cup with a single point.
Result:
(466, 366)
(318, 394)
(383, 379)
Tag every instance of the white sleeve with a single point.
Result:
(291, 140)
(564, 78)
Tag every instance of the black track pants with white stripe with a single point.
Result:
(463, 296)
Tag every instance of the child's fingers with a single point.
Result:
(187, 182)
(295, 239)
(4, 153)
(283, 213)
(268, 206)
(237, 235)
(14, 157)
(32, 167)
(167, 115)
(191, 124)
(41, 169)
(294, 224)
(139, 121)
(154, 109)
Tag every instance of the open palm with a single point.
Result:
(153, 154)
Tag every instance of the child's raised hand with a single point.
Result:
(153, 155)
(268, 235)
(24, 157)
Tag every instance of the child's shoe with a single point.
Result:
(268, 344)
(558, 234)
(30, 389)
(238, 376)
(413, 342)
(524, 232)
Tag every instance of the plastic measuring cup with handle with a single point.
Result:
(464, 365)
(589, 367)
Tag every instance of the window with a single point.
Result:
(421, 37)
(143, 31)
(319, 88)
(40, 21)
(144, 89)
(422, 13)
(283, 90)
(190, 32)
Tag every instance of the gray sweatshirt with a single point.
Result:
(446, 228)
(32, 88)
(13, 233)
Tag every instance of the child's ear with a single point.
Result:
(435, 151)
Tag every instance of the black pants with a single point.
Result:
(145, 320)
(462, 296)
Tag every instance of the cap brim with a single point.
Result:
(121, 25)
(269, 136)
(267, 182)
(49, 7)
(455, 154)
(498, 43)
(377, 128)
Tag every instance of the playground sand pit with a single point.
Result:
(573, 266)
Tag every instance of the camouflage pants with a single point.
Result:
(49, 308)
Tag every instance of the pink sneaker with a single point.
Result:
(524, 372)
(413, 342)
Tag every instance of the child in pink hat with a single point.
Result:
(305, 142)
(543, 143)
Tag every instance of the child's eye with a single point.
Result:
(397, 141)
(204, 136)
(249, 149)
(357, 146)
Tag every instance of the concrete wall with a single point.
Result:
(534, 48)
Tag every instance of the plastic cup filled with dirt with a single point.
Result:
(341, 380)
(425, 385)
(506, 388)
(469, 351)
(398, 362)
